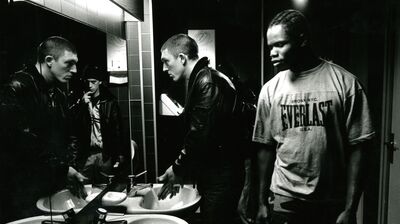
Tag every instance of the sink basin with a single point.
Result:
(37, 219)
(154, 219)
(187, 200)
(131, 219)
(64, 200)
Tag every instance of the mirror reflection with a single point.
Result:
(212, 111)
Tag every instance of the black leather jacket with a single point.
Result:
(209, 130)
(34, 136)
(110, 123)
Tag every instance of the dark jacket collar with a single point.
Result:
(105, 94)
(203, 62)
(38, 78)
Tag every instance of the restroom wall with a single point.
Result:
(141, 92)
(100, 14)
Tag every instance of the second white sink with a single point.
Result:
(185, 201)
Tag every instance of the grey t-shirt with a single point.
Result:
(312, 117)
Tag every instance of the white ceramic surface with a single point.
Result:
(132, 219)
(110, 198)
(64, 200)
(187, 199)
(37, 219)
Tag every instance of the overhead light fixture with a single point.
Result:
(300, 4)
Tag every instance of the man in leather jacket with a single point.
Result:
(36, 149)
(98, 128)
(209, 147)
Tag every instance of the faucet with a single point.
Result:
(108, 176)
(132, 183)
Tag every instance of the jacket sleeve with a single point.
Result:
(73, 139)
(202, 122)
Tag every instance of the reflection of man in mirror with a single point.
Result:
(209, 147)
(313, 121)
(34, 132)
(98, 127)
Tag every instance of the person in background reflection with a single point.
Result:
(210, 150)
(36, 149)
(313, 120)
(98, 128)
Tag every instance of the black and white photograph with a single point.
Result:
(200, 111)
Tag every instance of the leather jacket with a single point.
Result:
(34, 135)
(209, 130)
(110, 123)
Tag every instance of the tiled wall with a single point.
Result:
(141, 92)
(101, 14)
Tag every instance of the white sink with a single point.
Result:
(37, 219)
(64, 200)
(153, 219)
(132, 219)
(187, 200)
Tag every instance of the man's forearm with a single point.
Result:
(266, 158)
(355, 175)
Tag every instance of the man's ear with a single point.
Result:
(49, 60)
(183, 58)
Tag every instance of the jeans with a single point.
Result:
(94, 166)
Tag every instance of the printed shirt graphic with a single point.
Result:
(95, 131)
(312, 117)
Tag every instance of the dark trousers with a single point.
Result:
(220, 187)
(303, 212)
(95, 167)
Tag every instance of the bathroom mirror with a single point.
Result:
(26, 24)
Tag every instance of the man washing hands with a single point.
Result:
(169, 187)
(209, 151)
(75, 183)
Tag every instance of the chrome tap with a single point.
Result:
(132, 183)
(109, 177)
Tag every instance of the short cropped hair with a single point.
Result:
(54, 46)
(182, 43)
(293, 22)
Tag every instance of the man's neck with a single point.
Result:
(305, 62)
(189, 69)
(45, 72)
(97, 93)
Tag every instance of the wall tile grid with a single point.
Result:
(135, 96)
(148, 89)
(90, 12)
(141, 93)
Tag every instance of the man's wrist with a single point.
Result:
(177, 169)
